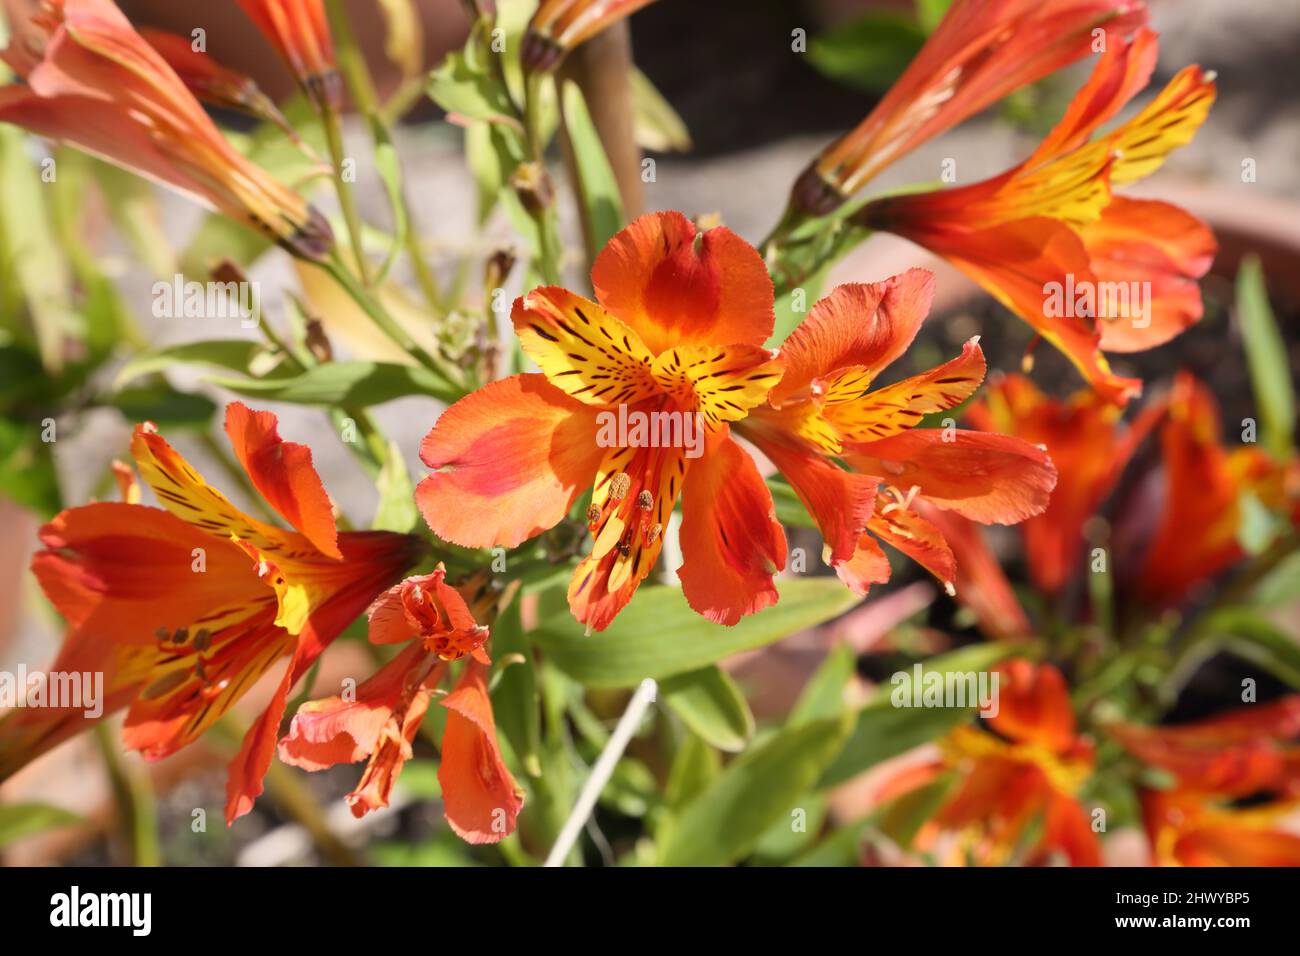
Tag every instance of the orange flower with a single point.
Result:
(1237, 754)
(825, 406)
(211, 82)
(981, 51)
(1185, 830)
(480, 798)
(635, 394)
(1048, 238)
(183, 609)
(560, 25)
(1084, 437)
(1197, 533)
(94, 82)
(1029, 772)
(300, 33)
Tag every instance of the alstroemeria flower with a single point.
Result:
(184, 607)
(1090, 448)
(981, 51)
(1188, 830)
(1048, 238)
(560, 25)
(380, 721)
(212, 82)
(300, 33)
(828, 405)
(93, 82)
(1246, 751)
(1028, 773)
(1198, 531)
(675, 339)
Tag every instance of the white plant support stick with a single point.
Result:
(602, 771)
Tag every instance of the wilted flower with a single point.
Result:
(94, 82)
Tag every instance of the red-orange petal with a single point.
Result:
(987, 478)
(480, 797)
(283, 474)
(859, 324)
(513, 456)
(731, 542)
(1034, 705)
(675, 287)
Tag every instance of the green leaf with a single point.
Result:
(658, 126)
(27, 473)
(929, 13)
(235, 355)
(869, 53)
(396, 510)
(711, 704)
(1268, 359)
(882, 730)
(515, 701)
(18, 820)
(597, 186)
(344, 383)
(658, 635)
(695, 766)
(793, 831)
(755, 791)
(466, 84)
(163, 405)
(1253, 638)
(823, 696)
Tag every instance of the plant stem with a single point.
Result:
(347, 198)
(134, 795)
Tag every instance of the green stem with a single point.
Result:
(550, 251)
(134, 795)
(333, 125)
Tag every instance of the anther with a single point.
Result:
(653, 534)
(619, 486)
(645, 501)
(593, 513)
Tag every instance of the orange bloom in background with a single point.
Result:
(184, 607)
(1083, 434)
(1026, 774)
(982, 51)
(1204, 482)
(480, 797)
(300, 33)
(1186, 830)
(827, 405)
(93, 82)
(560, 25)
(674, 340)
(213, 83)
(1048, 238)
(1245, 751)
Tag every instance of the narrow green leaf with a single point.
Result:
(711, 704)
(235, 355)
(1254, 638)
(389, 166)
(396, 510)
(869, 53)
(597, 185)
(164, 406)
(823, 696)
(756, 790)
(18, 820)
(658, 126)
(344, 383)
(1268, 358)
(695, 766)
(658, 635)
(514, 692)
(882, 730)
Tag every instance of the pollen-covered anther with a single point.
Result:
(593, 513)
(652, 535)
(619, 486)
(645, 501)
(901, 501)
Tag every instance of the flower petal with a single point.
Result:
(720, 383)
(866, 325)
(904, 529)
(731, 542)
(514, 456)
(283, 474)
(582, 349)
(1034, 706)
(677, 287)
(987, 478)
(480, 798)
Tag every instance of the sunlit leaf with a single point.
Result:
(1268, 359)
(710, 703)
(18, 820)
(597, 185)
